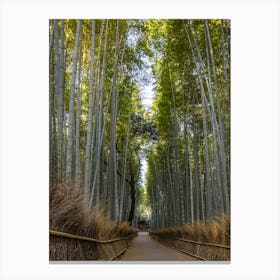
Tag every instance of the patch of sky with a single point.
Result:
(145, 81)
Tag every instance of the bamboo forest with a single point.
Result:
(139, 139)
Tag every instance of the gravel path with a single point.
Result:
(144, 248)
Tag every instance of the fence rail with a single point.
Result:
(203, 243)
(164, 238)
(78, 237)
(190, 254)
(192, 241)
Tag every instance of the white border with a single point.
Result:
(24, 138)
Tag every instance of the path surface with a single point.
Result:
(144, 248)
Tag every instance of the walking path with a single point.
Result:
(144, 248)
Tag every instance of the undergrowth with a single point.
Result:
(68, 213)
(215, 231)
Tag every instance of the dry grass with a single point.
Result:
(216, 231)
(69, 214)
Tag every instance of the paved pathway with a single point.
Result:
(144, 248)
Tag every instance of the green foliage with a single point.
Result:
(178, 98)
(176, 116)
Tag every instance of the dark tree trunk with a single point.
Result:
(132, 196)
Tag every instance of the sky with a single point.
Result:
(147, 97)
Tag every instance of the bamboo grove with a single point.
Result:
(189, 166)
(100, 131)
(94, 100)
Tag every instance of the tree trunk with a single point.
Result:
(178, 193)
(71, 107)
(124, 170)
(90, 112)
(112, 168)
(132, 195)
(78, 117)
(187, 174)
(221, 126)
(94, 198)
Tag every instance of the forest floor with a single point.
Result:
(144, 248)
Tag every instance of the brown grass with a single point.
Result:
(69, 214)
(216, 231)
